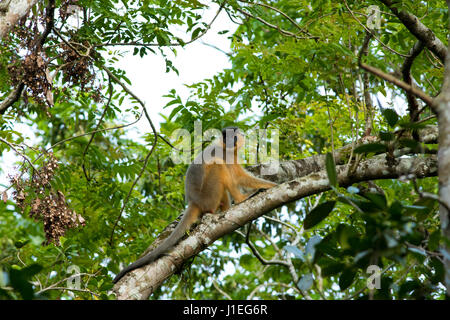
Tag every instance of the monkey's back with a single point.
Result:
(194, 186)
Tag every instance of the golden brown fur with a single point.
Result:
(211, 179)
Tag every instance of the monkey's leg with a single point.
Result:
(225, 203)
(248, 181)
(213, 189)
(236, 194)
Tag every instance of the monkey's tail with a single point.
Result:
(191, 214)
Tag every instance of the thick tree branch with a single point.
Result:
(419, 30)
(141, 283)
(11, 11)
(292, 169)
(13, 96)
(443, 111)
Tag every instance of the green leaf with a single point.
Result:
(318, 214)
(433, 241)
(175, 111)
(344, 232)
(196, 32)
(409, 143)
(391, 117)
(332, 268)
(378, 199)
(346, 278)
(331, 170)
(371, 148)
(19, 280)
(386, 136)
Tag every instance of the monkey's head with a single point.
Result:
(232, 137)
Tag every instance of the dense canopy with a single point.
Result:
(357, 92)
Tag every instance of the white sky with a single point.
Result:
(195, 63)
(150, 82)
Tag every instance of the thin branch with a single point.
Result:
(217, 287)
(11, 145)
(370, 31)
(256, 252)
(70, 289)
(264, 285)
(413, 106)
(168, 143)
(427, 195)
(110, 88)
(399, 83)
(302, 30)
(272, 26)
(172, 44)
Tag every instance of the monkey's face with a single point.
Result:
(232, 138)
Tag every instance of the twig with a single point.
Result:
(70, 289)
(284, 15)
(427, 195)
(281, 284)
(282, 31)
(256, 252)
(110, 88)
(370, 31)
(172, 44)
(11, 145)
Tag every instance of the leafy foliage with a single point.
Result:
(299, 75)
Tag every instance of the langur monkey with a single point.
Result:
(214, 175)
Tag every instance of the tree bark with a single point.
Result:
(11, 11)
(442, 103)
(141, 283)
